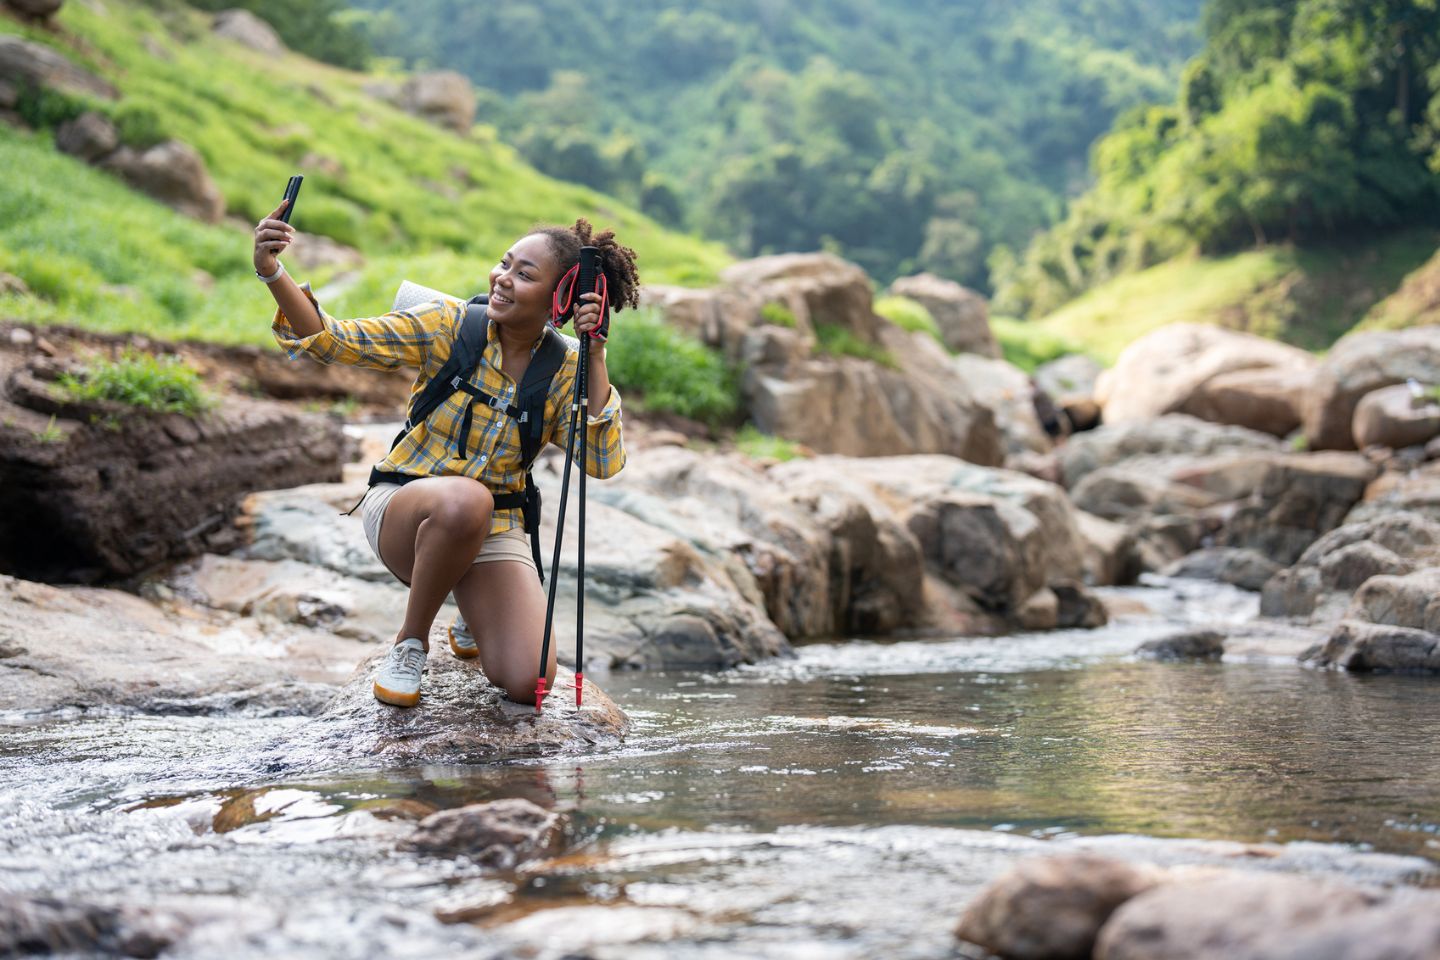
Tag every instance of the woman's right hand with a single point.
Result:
(272, 235)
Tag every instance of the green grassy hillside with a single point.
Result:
(1309, 296)
(418, 201)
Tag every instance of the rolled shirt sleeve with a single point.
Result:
(404, 338)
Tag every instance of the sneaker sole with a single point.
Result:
(396, 699)
(462, 652)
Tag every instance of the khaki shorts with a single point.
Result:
(510, 545)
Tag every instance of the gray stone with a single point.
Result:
(1302, 497)
(1364, 647)
(1188, 645)
(444, 97)
(962, 315)
(1183, 439)
(1401, 930)
(25, 64)
(173, 173)
(1067, 377)
(248, 30)
(90, 136)
(1392, 417)
(1245, 569)
(1121, 493)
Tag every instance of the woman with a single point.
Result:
(441, 532)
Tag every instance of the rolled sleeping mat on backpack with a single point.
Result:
(413, 295)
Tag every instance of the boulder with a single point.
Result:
(314, 251)
(911, 402)
(1162, 372)
(962, 315)
(443, 97)
(498, 834)
(1410, 600)
(1392, 417)
(1301, 497)
(1076, 607)
(87, 648)
(1006, 391)
(1363, 647)
(1358, 364)
(1051, 908)
(1245, 569)
(90, 136)
(1413, 491)
(1234, 915)
(104, 491)
(1123, 494)
(1176, 438)
(173, 173)
(1320, 584)
(816, 288)
(1187, 645)
(35, 9)
(1109, 551)
(248, 30)
(25, 64)
(1268, 399)
(461, 719)
(1070, 376)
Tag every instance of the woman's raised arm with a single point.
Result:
(272, 235)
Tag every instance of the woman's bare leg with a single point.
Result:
(504, 605)
(431, 532)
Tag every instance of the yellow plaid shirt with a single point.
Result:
(422, 338)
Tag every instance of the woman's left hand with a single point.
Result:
(587, 320)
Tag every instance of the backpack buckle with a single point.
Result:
(524, 417)
(455, 382)
(495, 403)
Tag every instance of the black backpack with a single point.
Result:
(528, 410)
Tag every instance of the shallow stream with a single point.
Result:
(845, 803)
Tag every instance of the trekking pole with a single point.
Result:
(584, 283)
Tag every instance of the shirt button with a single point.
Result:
(483, 459)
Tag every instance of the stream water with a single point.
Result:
(845, 803)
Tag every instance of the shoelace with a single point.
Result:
(409, 660)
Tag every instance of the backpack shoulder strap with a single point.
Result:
(533, 391)
(464, 356)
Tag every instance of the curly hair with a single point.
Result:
(621, 276)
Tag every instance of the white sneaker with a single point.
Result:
(462, 642)
(398, 682)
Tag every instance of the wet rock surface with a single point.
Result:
(1051, 908)
(498, 834)
(81, 648)
(461, 719)
(1078, 907)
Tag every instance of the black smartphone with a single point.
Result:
(292, 190)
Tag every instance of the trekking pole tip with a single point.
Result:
(579, 686)
(539, 693)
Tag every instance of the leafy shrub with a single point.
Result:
(762, 446)
(838, 341)
(669, 370)
(778, 314)
(908, 315)
(43, 108)
(160, 384)
(139, 126)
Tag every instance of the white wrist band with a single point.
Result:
(279, 270)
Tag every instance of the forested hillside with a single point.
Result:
(909, 135)
(1315, 122)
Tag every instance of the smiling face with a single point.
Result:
(522, 282)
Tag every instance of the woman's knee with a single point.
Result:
(463, 508)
